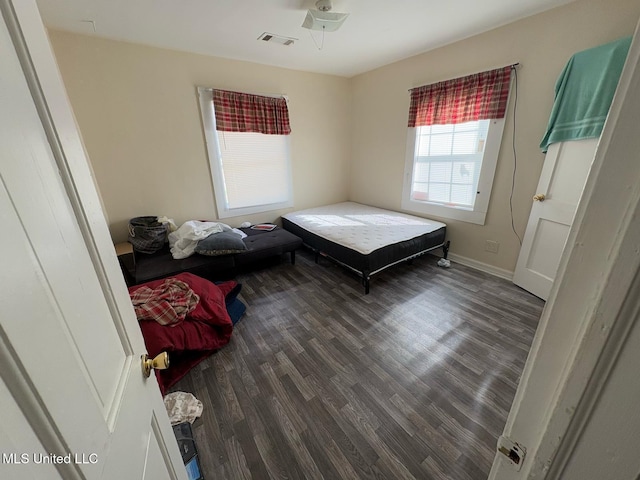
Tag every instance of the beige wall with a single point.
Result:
(138, 113)
(542, 44)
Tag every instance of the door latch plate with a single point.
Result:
(514, 452)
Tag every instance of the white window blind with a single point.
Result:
(255, 168)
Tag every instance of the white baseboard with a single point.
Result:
(483, 267)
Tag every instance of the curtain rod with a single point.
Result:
(513, 66)
(272, 95)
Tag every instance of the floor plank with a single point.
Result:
(414, 380)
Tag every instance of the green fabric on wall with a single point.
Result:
(584, 92)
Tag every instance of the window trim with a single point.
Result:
(476, 215)
(215, 164)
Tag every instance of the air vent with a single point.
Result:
(270, 37)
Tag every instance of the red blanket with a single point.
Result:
(206, 329)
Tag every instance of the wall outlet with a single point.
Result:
(491, 246)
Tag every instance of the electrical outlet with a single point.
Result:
(491, 246)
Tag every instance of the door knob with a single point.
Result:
(160, 362)
(539, 197)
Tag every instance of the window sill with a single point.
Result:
(442, 211)
(238, 212)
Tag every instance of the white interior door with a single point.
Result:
(73, 398)
(562, 180)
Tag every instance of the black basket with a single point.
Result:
(146, 234)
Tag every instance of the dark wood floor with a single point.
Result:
(414, 380)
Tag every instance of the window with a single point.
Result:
(455, 130)
(248, 146)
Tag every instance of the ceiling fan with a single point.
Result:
(323, 19)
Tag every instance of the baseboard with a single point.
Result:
(483, 267)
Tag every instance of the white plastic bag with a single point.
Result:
(183, 241)
(182, 407)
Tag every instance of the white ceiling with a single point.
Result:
(377, 32)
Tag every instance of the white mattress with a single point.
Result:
(360, 227)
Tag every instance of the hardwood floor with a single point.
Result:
(414, 380)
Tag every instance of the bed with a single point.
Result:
(365, 239)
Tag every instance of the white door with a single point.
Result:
(562, 180)
(73, 399)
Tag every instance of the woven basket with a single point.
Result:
(146, 234)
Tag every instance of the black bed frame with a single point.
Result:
(368, 265)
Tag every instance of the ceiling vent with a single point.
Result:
(279, 39)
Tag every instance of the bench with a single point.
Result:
(261, 246)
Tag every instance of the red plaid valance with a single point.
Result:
(243, 112)
(480, 96)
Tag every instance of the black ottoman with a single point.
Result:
(162, 264)
(262, 245)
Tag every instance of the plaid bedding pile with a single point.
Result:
(168, 304)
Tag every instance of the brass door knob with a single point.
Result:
(539, 197)
(161, 362)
